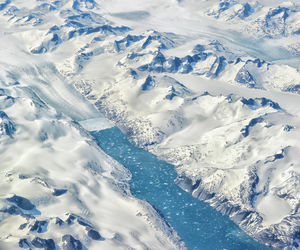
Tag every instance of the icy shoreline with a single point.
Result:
(241, 213)
(198, 224)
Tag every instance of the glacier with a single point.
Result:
(211, 87)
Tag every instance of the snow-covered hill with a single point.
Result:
(210, 86)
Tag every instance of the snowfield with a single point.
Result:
(209, 86)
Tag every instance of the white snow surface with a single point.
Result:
(210, 86)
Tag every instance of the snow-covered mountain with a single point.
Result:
(209, 86)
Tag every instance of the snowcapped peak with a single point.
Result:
(7, 126)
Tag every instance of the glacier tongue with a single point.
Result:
(95, 124)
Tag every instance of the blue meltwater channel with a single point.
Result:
(199, 225)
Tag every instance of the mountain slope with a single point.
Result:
(58, 189)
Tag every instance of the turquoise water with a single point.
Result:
(200, 226)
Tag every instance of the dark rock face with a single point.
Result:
(22, 226)
(24, 243)
(70, 219)
(48, 244)
(288, 128)
(39, 226)
(296, 239)
(245, 77)
(58, 192)
(276, 21)
(59, 221)
(293, 88)
(268, 102)
(38, 242)
(4, 4)
(126, 42)
(13, 210)
(248, 102)
(134, 74)
(260, 102)
(247, 11)
(221, 64)
(148, 83)
(246, 130)
(21, 202)
(83, 222)
(93, 234)
(70, 243)
(7, 127)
